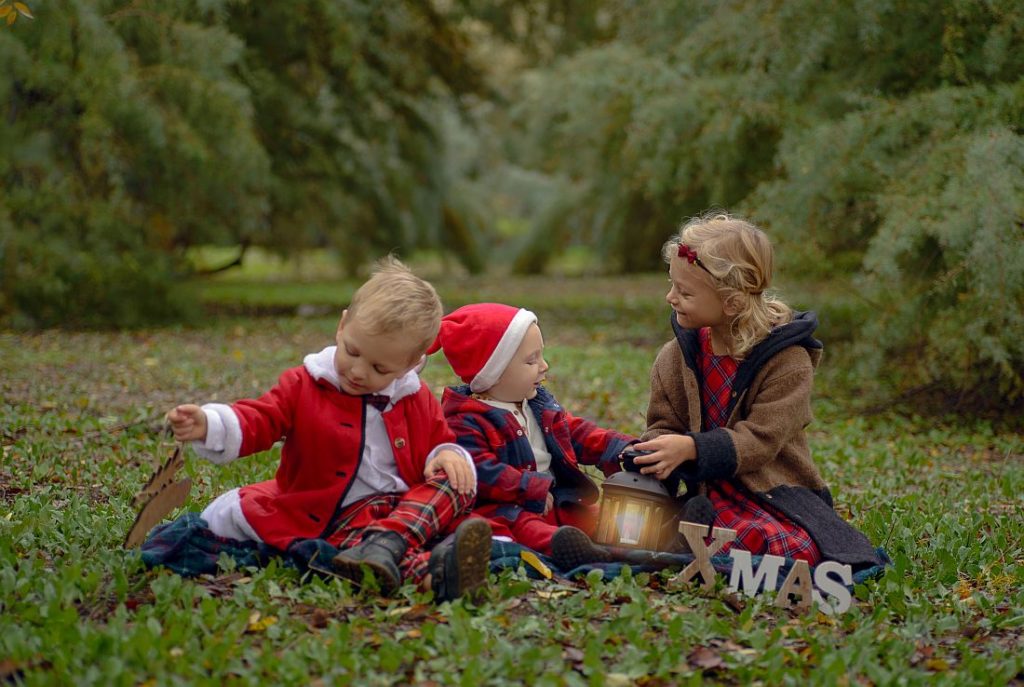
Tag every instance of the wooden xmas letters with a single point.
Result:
(828, 587)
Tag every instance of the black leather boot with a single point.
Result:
(458, 566)
(380, 551)
(571, 548)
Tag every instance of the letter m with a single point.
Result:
(743, 576)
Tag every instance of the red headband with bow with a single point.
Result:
(690, 255)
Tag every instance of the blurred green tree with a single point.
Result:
(350, 98)
(877, 140)
(135, 131)
(125, 129)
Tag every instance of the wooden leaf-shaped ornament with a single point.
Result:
(158, 498)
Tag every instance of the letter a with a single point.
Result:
(798, 581)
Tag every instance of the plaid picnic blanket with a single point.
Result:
(187, 547)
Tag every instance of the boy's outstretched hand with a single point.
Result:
(188, 422)
(460, 474)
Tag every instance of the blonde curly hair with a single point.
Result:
(739, 258)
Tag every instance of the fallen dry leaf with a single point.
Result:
(571, 653)
(259, 624)
(704, 658)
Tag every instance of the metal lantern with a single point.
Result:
(634, 510)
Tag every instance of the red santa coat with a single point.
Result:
(324, 432)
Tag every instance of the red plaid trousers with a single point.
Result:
(419, 515)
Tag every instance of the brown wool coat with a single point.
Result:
(766, 426)
(763, 446)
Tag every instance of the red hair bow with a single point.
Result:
(690, 255)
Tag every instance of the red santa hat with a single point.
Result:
(479, 341)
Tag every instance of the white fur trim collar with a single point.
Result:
(321, 366)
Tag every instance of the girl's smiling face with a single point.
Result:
(693, 297)
(525, 371)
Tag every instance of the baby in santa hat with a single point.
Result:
(527, 448)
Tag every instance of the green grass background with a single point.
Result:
(80, 419)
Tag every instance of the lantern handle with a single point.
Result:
(629, 456)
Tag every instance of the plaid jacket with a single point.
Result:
(505, 466)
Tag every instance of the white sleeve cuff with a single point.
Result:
(214, 431)
(461, 451)
(223, 435)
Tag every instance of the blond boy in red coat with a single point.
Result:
(368, 463)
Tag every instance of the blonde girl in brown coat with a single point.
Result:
(731, 398)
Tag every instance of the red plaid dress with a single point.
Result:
(759, 529)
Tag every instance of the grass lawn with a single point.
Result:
(80, 415)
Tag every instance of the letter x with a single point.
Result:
(702, 554)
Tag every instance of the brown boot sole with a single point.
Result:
(472, 556)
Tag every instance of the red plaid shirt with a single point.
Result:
(717, 374)
(759, 529)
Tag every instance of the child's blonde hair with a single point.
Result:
(394, 300)
(739, 257)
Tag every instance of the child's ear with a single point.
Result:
(341, 322)
(731, 306)
(421, 362)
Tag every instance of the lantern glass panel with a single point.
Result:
(634, 511)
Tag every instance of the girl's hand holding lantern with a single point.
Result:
(664, 454)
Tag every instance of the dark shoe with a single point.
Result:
(458, 566)
(571, 548)
(380, 551)
(698, 509)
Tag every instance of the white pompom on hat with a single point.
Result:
(479, 341)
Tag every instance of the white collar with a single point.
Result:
(505, 405)
(321, 366)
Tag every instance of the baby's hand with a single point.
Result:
(460, 474)
(188, 422)
(669, 451)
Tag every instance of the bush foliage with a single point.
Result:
(879, 142)
(134, 131)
